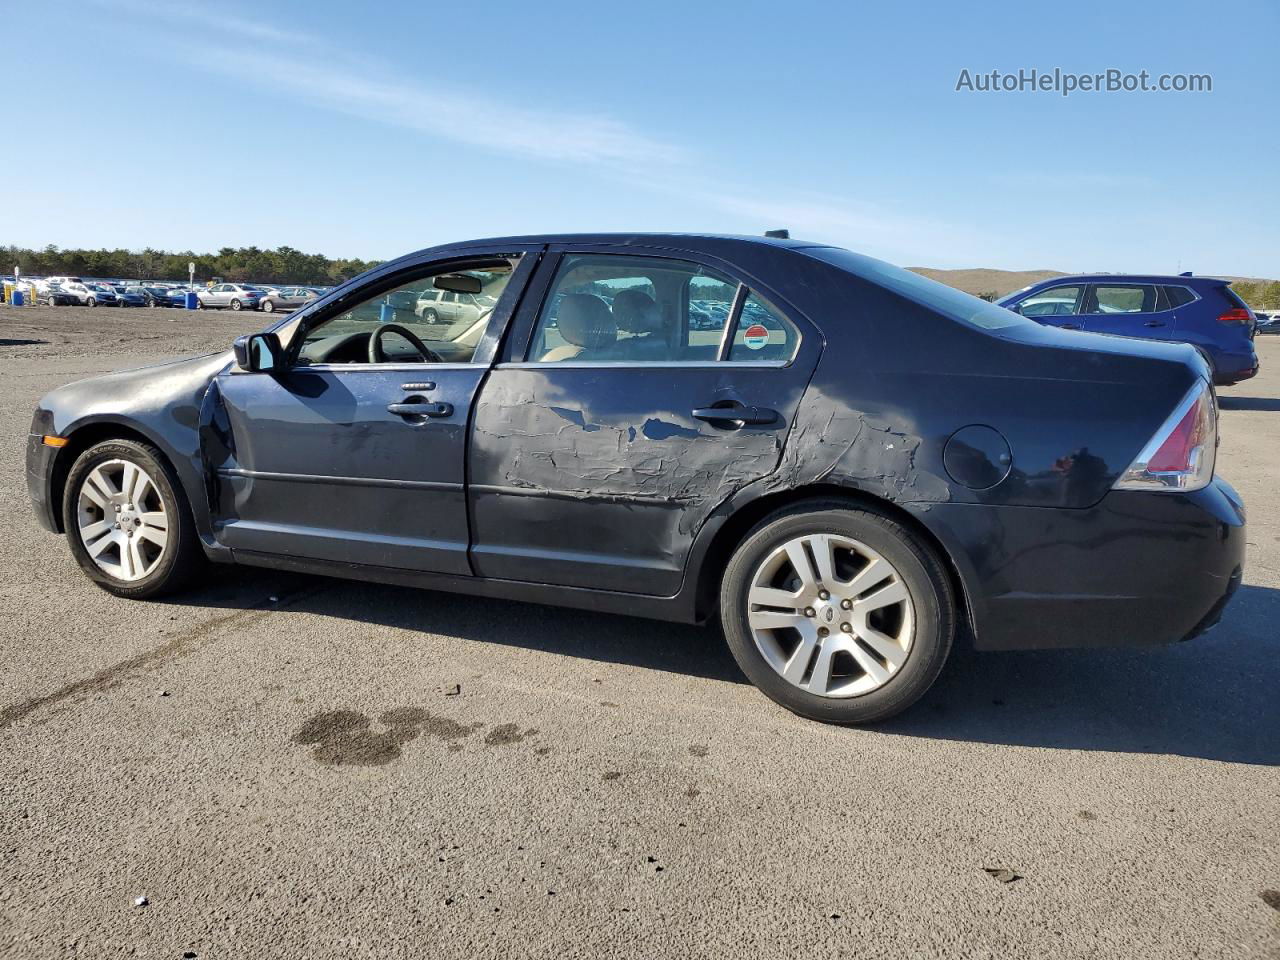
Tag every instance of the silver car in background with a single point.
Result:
(285, 298)
(237, 296)
(447, 306)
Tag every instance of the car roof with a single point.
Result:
(690, 241)
(1132, 278)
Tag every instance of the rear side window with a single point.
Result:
(1123, 298)
(762, 333)
(1178, 296)
(609, 308)
(1233, 298)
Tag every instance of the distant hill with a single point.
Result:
(983, 280)
(1257, 291)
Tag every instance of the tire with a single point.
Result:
(91, 302)
(430, 316)
(158, 569)
(199, 304)
(268, 306)
(235, 303)
(864, 684)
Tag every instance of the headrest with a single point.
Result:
(585, 321)
(636, 312)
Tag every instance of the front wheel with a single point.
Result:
(268, 306)
(430, 316)
(838, 613)
(128, 520)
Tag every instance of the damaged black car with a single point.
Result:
(850, 468)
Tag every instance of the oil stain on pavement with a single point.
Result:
(347, 737)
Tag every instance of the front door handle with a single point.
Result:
(420, 407)
(1069, 326)
(1154, 323)
(735, 412)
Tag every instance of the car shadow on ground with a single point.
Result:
(1249, 403)
(1214, 697)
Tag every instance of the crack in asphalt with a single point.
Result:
(182, 644)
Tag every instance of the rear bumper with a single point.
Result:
(1229, 368)
(1136, 569)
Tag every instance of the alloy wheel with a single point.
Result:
(831, 615)
(122, 520)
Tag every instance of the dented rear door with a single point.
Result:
(598, 474)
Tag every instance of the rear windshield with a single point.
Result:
(930, 293)
(1233, 297)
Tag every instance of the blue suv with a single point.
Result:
(1202, 311)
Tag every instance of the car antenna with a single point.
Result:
(778, 234)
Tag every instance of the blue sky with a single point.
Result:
(373, 129)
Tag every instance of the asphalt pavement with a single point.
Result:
(287, 766)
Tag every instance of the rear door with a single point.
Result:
(1128, 309)
(329, 458)
(615, 427)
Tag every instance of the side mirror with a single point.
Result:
(258, 352)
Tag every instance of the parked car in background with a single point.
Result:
(234, 296)
(95, 294)
(1202, 311)
(448, 306)
(861, 466)
(1268, 322)
(158, 296)
(54, 296)
(285, 298)
(127, 297)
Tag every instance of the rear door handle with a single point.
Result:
(1154, 323)
(421, 408)
(1069, 326)
(736, 412)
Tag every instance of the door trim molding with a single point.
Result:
(340, 481)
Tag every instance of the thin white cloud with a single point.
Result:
(267, 57)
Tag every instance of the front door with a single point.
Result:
(354, 451)
(597, 456)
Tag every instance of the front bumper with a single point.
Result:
(40, 466)
(1137, 568)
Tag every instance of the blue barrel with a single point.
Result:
(386, 313)
(18, 298)
(192, 301)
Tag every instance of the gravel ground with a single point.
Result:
(274, 763)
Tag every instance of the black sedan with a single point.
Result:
(857, 464)
(55, 296)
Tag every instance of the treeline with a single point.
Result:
(282, 265)
(1261, 294)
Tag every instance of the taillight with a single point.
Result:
(1236, 315)
(1180, 456)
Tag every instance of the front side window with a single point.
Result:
(1054, 302)
(348, 336)
(1128, 298)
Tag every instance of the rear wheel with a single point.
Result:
(235, 303)
(91, 302)
(840, 614)
(268, 306)
(128, 521)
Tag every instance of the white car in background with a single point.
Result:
(446, 306)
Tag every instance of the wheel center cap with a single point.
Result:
(826, 613)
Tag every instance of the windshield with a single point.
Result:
(929, 293)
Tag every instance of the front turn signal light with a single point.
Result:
(52, 441)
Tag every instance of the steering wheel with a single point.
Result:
(378, 355)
